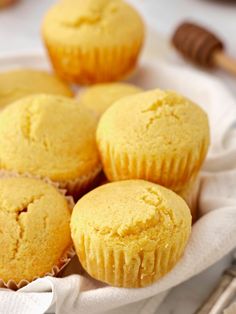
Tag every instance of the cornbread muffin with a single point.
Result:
(50, 136)
(159, 136)
(20, 83)
(100, 97)
(130, 233)
(93, 41)
(35, 228)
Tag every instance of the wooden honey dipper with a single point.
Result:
(202, 47)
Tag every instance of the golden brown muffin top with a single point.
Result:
(17, 84)
(48, 136)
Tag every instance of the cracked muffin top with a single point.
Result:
(34, 228)
(130, 233)
(100, 23)
(48, 136)
(131, 213)
(17, 84)
(156, 135)
(156, 119)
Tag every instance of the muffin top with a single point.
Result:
(132, 214)
(35, 231)
(155, 123)
(23, 82)
(90, 23)
(48, 136)
(100, 97)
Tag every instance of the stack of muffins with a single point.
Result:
(150, 146)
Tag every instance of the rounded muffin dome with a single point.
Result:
(20, 83)
(93, 41)
(99, 97)
(159, 136)
(49, 136)
(35, 229)
(130, 233)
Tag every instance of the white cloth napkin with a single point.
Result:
(231, 309)
(213, 235)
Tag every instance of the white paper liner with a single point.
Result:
(56, 269)
(69, 253)
(190, 195)
(77, 186)
(74, 187)
(12, 174)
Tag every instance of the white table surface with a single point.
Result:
(20, 32)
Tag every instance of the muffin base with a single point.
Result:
(173, 173)
(74, 188)
(79, 186)
(190, 195)
(98, 65)
(117, 268)
(56, 269)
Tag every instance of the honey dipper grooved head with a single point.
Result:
(196, 43)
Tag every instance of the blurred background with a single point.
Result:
(20, 24)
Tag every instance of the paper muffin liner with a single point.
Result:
(117, 268)
(190, 195)
(89, 66)
(73, 188)
(173, 172)
(79, 186)
(56, 269)
(67, 256)
(12, 174)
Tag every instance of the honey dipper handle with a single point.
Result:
(225, 62)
